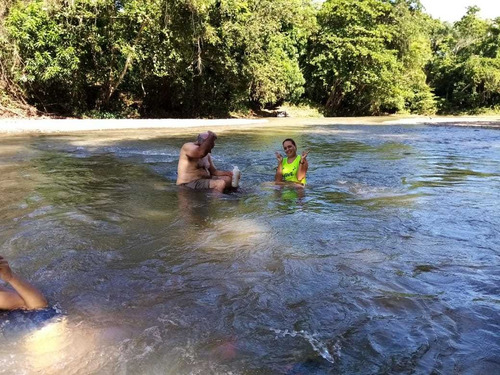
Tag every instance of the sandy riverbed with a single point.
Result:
(16, 125)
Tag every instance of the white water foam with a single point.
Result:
(319, 347)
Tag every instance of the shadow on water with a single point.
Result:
(83, 181)
(287, 199)
(395, 236)
(193, 207)
(449, 176)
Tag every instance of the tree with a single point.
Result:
(465, 70)
(73, 57)
(186, 57)
(252, 50)
(351, 68)
(411, 38)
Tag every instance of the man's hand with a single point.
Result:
(25, 296)
(279, 157)
(5, 271)
(212, 136)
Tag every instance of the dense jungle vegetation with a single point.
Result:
(192, 58)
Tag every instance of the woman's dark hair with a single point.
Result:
(291, 140)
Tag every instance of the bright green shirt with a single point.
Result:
(290, 170)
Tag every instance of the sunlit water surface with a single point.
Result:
(387, 262)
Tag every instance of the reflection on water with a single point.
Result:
(386, 262)
(54, 344)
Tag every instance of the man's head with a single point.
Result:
(202, 137)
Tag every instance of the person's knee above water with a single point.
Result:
(24, 296)
(293, 167)
(196, 168)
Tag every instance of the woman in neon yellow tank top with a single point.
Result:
(293, 167)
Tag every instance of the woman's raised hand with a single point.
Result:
(279, 157)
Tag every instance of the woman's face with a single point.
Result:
(289, 149)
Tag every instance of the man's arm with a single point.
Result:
(27, 296)
(215, 172)
(10, 300)
(221, 173)
(200, 151)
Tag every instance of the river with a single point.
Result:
(387, 262)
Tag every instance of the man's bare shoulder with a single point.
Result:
(189, 145)
(187, 149)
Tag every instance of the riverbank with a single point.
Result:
(16, 125)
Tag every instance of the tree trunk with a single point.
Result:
(114, 86)
(335, 97)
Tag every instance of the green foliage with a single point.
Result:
(183, 57)
(49, 61)
(412, 41)
(465, 69)
(189, 58)
(254, 46)
(351, 66)
(369, 58)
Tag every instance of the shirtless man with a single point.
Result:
(24, 296)
(196, 169)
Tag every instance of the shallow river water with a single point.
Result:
(388, 262)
